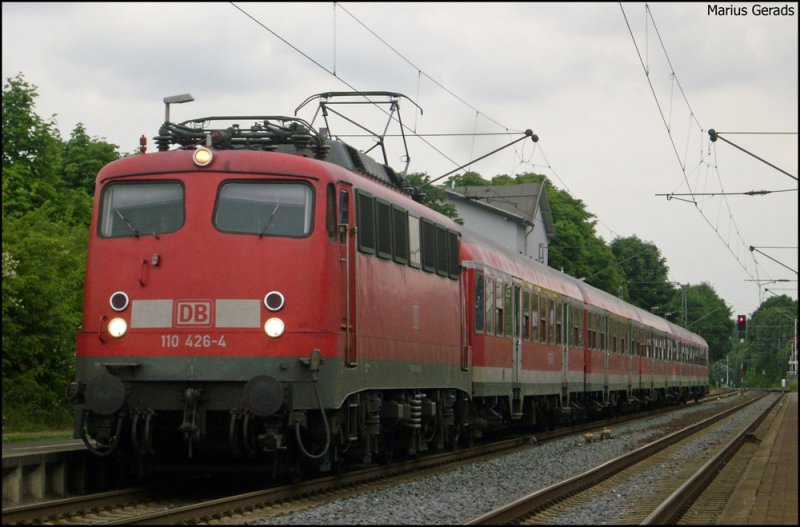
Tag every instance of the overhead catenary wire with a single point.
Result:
(681, 162)
(747, 193)
(330, 72)
(716, 135)
(420, 73)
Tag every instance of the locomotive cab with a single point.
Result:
(190, 265)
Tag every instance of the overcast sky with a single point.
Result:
(573, 73)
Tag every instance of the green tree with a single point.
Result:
(46, 212)
(770, 331)
(27, 138)
(43, 273)
(467, 179)
(433, 195)
(31, 151)
(645, 272)
(83, 157)
(577, 249)
(709, 316)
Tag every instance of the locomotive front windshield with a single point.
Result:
(141, 208)
(264, 208)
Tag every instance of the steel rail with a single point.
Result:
(506, 514)
(41, 512)
(261, 498)
(671, 509)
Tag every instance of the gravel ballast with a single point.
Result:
(460, 495)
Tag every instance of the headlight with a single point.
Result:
(274, 327)
(274, 301)
(117, 327)
(202, 156)
(118, 301)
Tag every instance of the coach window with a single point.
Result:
(414, 245)
(543, 320)
(399, 235)
(552, 320)
(141, 209)
(265, 208)
(535, 317)
(526, 314)
(576, 328)
(559, 322)
(479, 307)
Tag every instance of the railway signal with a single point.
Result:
(741, 325)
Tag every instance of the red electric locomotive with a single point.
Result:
(267, 293)
(270, 293)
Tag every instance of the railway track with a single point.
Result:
(149, 506)
(143, 507)
(600, 485)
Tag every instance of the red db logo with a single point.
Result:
(193, 313)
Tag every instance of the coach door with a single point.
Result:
(516, 350)
(559, 321)
(347, 260)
